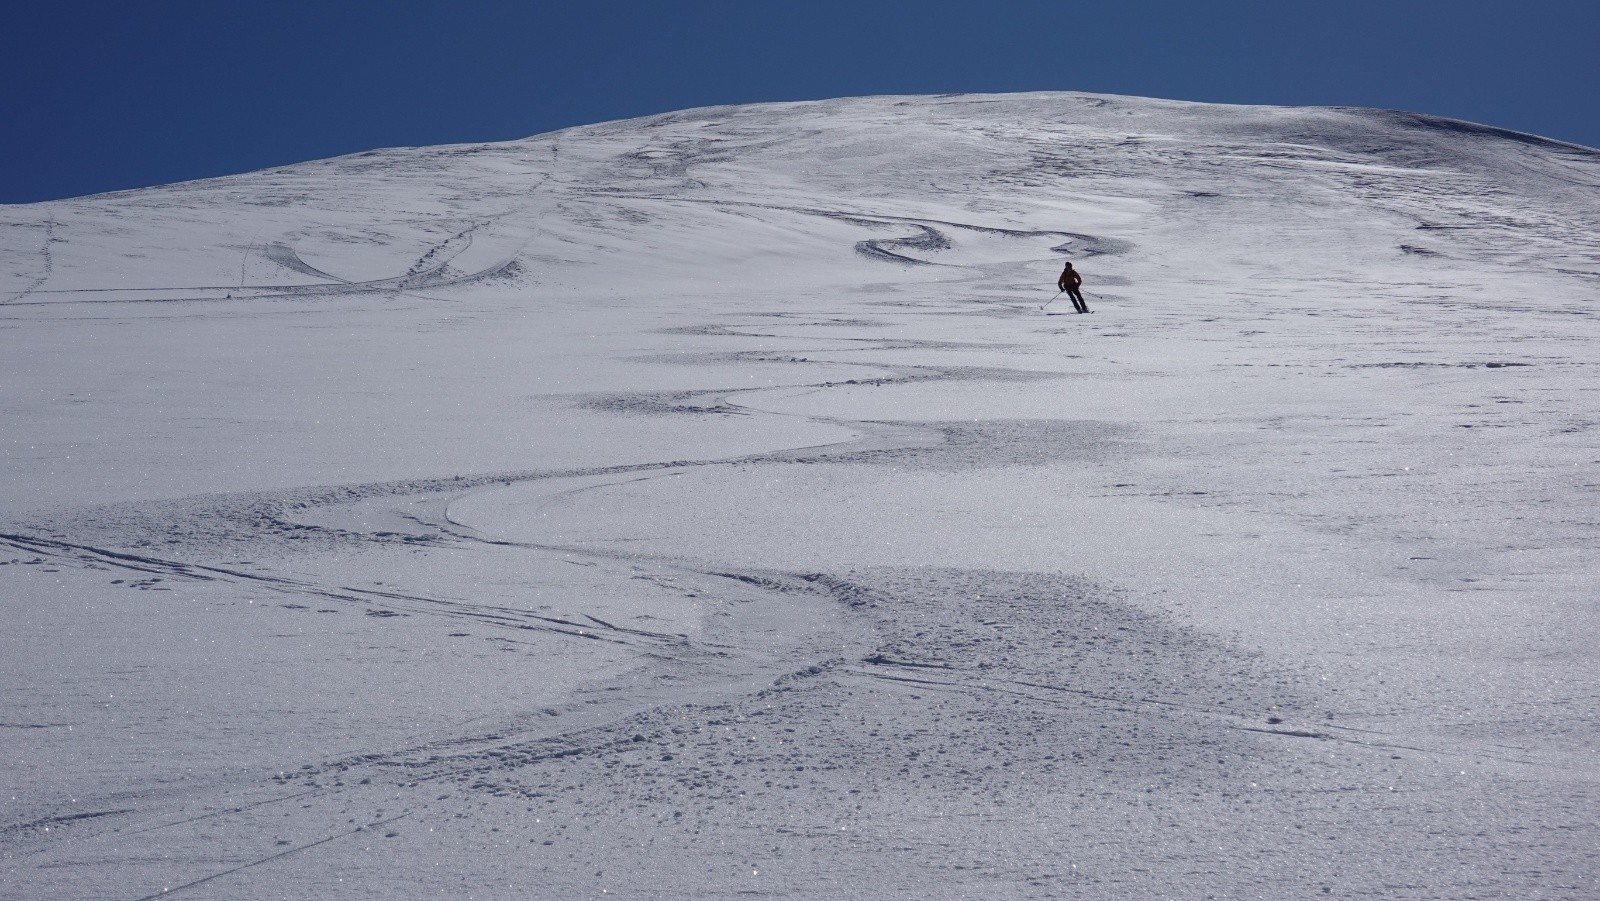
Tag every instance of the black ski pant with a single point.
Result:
(1077, 300)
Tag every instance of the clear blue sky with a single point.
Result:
(100, 96)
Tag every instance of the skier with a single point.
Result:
(1069, 282)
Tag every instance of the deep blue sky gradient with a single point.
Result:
(98, 96)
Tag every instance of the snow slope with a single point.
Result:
(702, 505)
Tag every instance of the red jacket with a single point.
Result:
(1069, 279)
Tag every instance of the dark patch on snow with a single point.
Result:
(662, 403)
(1093, 246)
(962, 446)
(1409, 364)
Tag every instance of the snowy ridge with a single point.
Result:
(703, 504)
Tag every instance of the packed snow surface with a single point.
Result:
(702, 505)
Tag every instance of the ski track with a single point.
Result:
(47, 263)
(928, 237)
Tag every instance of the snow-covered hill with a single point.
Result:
(702, 504)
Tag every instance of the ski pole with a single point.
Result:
(1053, 299)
